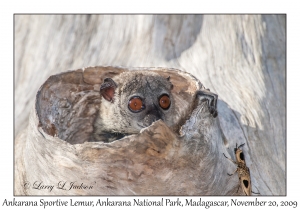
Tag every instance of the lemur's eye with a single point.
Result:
(135, 104)
(164, 101)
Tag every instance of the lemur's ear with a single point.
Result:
(107, 89)
(168, 78)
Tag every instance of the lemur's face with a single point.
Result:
(143, 100)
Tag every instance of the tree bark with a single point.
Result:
(241, 58)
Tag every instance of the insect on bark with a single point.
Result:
(242, 170)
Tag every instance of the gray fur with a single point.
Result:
(115, 118)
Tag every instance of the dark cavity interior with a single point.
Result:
(242, 156)
(246, 183)
(67, 104)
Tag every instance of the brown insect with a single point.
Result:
(242, 170)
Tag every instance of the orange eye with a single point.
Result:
(135, 104)
(164, 101)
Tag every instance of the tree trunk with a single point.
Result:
(240, 58)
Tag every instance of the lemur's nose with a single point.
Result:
(152, 115)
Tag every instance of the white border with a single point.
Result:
(8, 8)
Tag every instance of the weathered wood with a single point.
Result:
(150, 163)
(241, 58)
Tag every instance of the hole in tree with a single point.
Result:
(246, 183)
